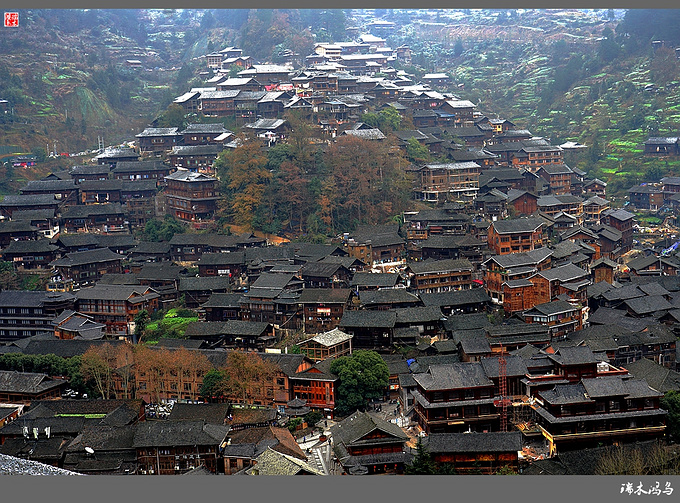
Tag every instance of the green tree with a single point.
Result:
(141, 321)
(416, 152)
(172, 117)
(9, 280)
(39, 153)
(313, 417)
(363, 376)
(162, 230)
(294, 423)
(671, 403)
(423, 463)
(212, 382)
(608, 50)
(458, 48)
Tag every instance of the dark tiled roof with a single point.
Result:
(375, 279)
(31, 215)
(165, 342)
(530, 258)
(272, 280)
(212, 413)
(455, 298)
(30, 246)
(205, 128)
(551, 308)
(272, 462)
(75, 259)
(474, 345)
(28, 200)
(178, 433)
(95, 169)
(223, 300)
(48, 185)
(251, 416)
(368, 319)
(113, 292)
(150, 247)
(619, 214)
(118, 279)
(203, 284)
(575, 355)
(453, 376)
(351, 430)
(162, 272)
(320, 269)
(624, 293)
(329, 295)
(515, 366)
(64, 348)
(567, 272)
(18, 226)
(517, 329)
(474, 442)
(602, 387)
(517, 225)
(27, 382)
(25, 298)
(418, 314)
(432, 266)
(566, 394)
(648, 304)
(90, 210)
(139, 166)
(231, 327)
(467, 321)
(657, 376)
(233, 258)
(388, 296)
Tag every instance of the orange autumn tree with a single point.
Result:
(98, 365)
(245, 377)
(188, 367)
(151, 367)
(169, 373)
(244, 176)
(369, 184)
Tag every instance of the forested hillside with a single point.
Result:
(593, 76)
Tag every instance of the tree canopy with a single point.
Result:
(240, 380)
(363, 376)
(671, 402)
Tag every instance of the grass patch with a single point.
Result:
(172, 325)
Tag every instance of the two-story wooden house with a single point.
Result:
(117, 305)
(365, 444)
(559, 316)
(599, 410)
(191, 196)
(516, 235)
(455, 398)
(87, 267)
(431, 276)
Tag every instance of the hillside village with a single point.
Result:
(525, 322)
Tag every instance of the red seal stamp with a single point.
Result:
(11, 19)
